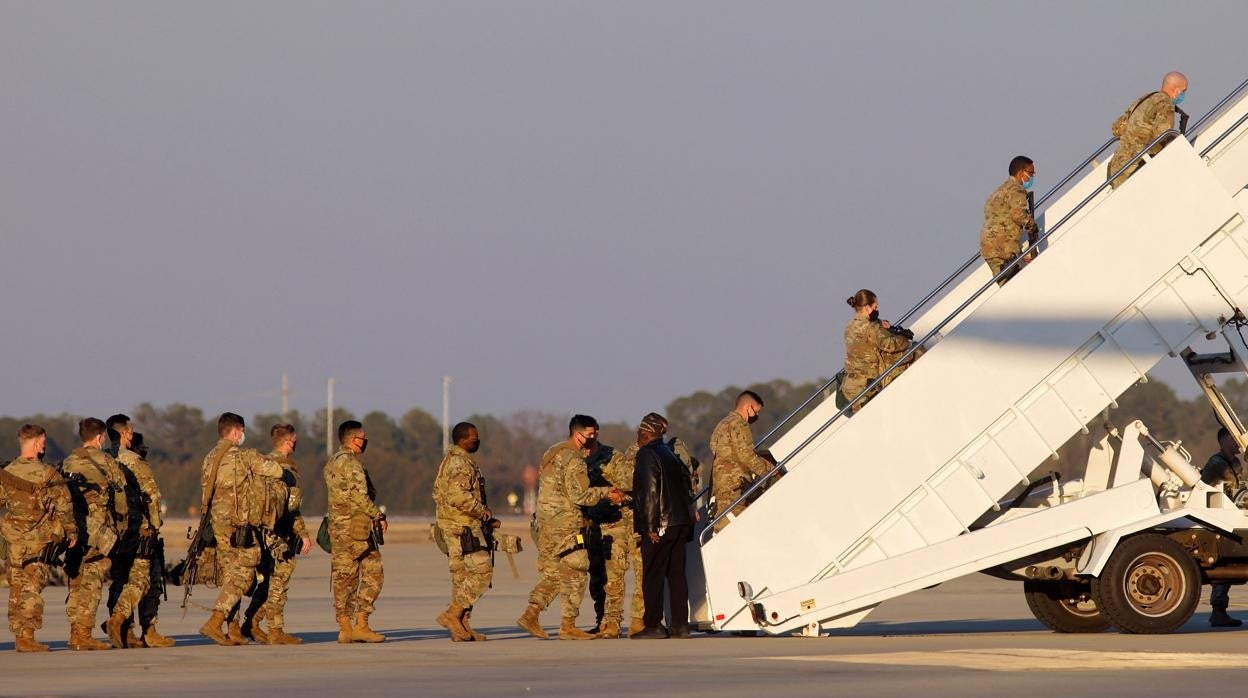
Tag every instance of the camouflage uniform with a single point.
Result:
(1227, 472)
(459, 494)
(283, 525)
(621, 543)
(1150, 116)
(356, 573)
(237, 502)
(563, 564)
(32, 520)
(1006, 215)
(106, 510)
(736, 465)
(869, 349)
(137, 583)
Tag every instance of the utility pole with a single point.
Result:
(446, 412)
(285, 397)
(329, 419)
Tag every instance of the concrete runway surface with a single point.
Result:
(971, 637)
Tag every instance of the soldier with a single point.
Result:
(133, 556)
(620, 543)
(870, 348)
(1225, 468)
(562, 562)
(101, 500)
(149, 605)
(232, 493)
(1146, 119)
(1006, 216)
(39, 517)
(462, 516)
(355, 565)
(285, 536)
(736, 464)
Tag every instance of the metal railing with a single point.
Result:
(914, 346)
(1194, 130)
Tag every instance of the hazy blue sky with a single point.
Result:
(568, 206)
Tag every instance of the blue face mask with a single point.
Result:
(1179, 100)
(1027, 184)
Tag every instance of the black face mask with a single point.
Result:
(363, 445)
(473, 446)
(874, 316)
(753, 418)
(293, 446)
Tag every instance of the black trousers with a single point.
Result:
(665, 562)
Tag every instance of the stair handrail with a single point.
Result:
(914, 346)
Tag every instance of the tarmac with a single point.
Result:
(971, 637)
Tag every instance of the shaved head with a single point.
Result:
(1174, 83)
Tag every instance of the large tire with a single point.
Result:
(1064, 607)
(1150, 585)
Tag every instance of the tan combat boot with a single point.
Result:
(251, 628)
(637, 625)
(569, 631)
(212, 629)
(278, 636)
(234, 632)
(132, 640)
(451, 620)
(463, 620)
(113, 626)
(152, 638)
(610, 630)
(80, 639)
(26, 642)
(344, 630)
(362, 633)
(529, 621)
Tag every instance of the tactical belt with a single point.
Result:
(579, 546)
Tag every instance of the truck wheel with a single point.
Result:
(1064, 607)
(1150, 585)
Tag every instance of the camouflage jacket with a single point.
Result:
(34, 518)
(283, 498)
(736, 463)
(1151, 116)
(104, 493)
(867, 344)
(238, 499)
(458, 492)
(347, 485)
(146, 480)
(563, 488)
(618, 471)
(1006, 216)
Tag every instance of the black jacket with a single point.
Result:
(661, 490)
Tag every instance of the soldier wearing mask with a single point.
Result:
(870, 348)
(562, 562)
(133, 556)
(736, 465)
(1007, 216)
(102, 504)
(285, 536)
(233, 494)
(356, 574)
(1224, 468)
(618, 543)
(1146, 119)
(38, 518)
(462, 516)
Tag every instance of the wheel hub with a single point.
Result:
(1154, 584)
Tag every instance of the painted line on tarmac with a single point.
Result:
(1037, 659)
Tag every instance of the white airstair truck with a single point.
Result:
(950, 470)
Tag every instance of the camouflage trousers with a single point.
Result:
(278, 592)
(137, 583)
(86, 589)
(26, 585)
(355, 575)
(854, 384)
(238, 571)
(564, 575)
(471, 574)
(1121, 156)
(622, 551)
(725, 495)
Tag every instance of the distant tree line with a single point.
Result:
(404, 453)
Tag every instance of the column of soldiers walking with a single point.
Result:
(99, 515)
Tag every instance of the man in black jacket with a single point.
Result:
(663, 501)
